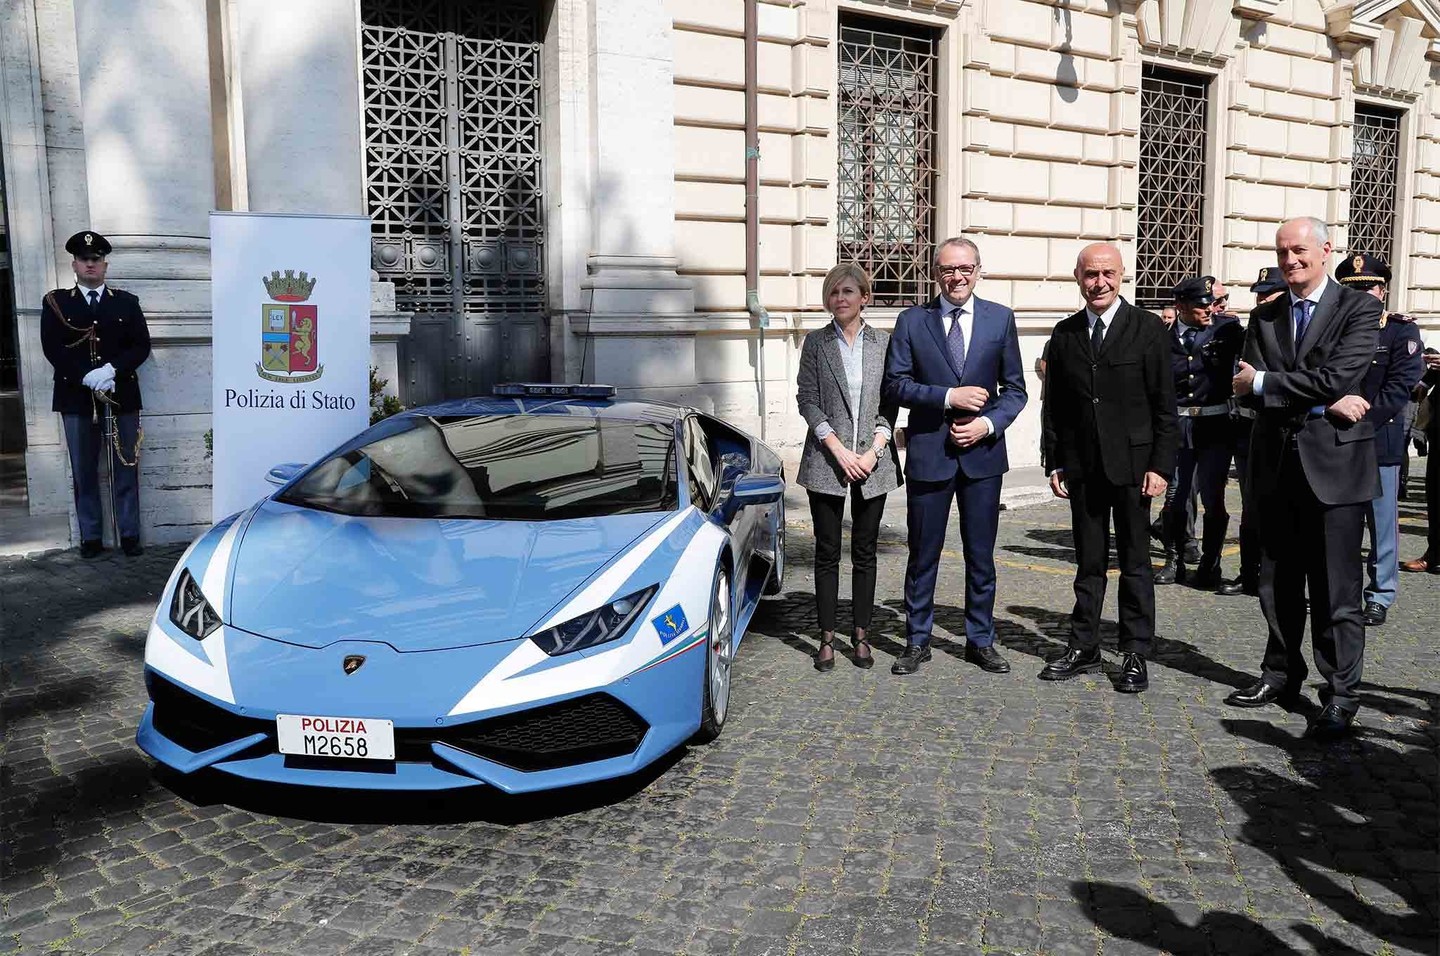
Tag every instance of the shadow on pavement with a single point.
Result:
(479, 804)
(35, 816)
(1360, 814)
(1053, 630)
(1127, 913)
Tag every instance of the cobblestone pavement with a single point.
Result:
(849, 812)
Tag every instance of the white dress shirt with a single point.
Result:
(967, 327)
(1109, 316)
(1258, 386)
(85, 293)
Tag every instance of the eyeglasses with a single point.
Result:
(948, 271)
(1223, 301)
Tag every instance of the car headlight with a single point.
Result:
(189, 610)
(599, 626)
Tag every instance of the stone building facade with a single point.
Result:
(559, 187)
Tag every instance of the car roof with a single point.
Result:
(615, 409)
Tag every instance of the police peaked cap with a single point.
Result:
(1197, 290)
(1268, 281)
(1362, 269)
(87, 243)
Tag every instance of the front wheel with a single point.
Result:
(719, 655)
(776, 582)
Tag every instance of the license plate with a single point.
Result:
(348, 738)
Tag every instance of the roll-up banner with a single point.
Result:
(291, 344)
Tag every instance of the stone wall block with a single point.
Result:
(707, 15)
(712, 106)
(776, 22)
(710, 153)
(812, 70)
(709, 58)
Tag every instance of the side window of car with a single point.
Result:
(700, 466)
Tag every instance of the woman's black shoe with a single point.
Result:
(868, 661)
(823, 661)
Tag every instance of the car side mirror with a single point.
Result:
(282, 475)
(753, 490)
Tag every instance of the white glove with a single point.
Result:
(97, 377)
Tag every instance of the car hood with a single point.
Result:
(314, 578)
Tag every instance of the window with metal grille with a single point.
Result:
(1171, 228)
(887, 155)
(1374, 174)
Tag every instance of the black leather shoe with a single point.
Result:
(987, 658)
(1374, 614)
(825, 656)
(910, 661)
(1073, 663)
(1133, 676)
(1239, 585)
(1168, 573)
(131, 547)
(1330, 723)
(91, 549)
(1260, 693)
(1206, 576)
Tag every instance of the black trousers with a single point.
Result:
(1250, 547)
(827, 513)
(1432, 501)
(1093, 500)
(1204, 466)
(1307, 543)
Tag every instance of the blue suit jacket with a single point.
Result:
(919, 374)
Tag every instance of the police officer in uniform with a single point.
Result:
(1204, 348)
(95, 337)
(1397, 367)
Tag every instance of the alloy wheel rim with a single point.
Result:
(721, 651)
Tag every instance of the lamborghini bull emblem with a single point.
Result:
(352, 663)
(289, 331)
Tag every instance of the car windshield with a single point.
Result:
(516, 467)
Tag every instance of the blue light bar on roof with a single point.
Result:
(548, 390)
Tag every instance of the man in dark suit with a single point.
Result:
(1313, 471)
(955, 363)
(95, 336)
(1110, 439)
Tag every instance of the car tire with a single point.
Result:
(775, 583)
(719, 655)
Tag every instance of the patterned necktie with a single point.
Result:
(1097, 335)
(1302, 319)
(955, 341)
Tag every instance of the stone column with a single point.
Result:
(150, 163)
(300, 92)
(632, 136)
(301, 95)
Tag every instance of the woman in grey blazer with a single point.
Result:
(848, 451)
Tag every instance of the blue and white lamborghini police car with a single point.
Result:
(535, 589)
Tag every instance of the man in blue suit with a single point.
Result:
(955, 364)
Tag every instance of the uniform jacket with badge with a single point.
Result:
(1328, 363)
(1111, 414)
(1204, 376)
(1393, 374)
(823, 393)
(122, 339)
